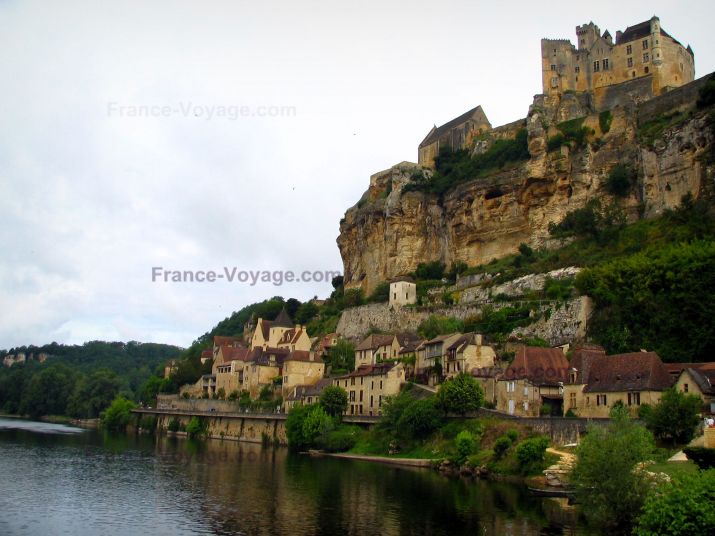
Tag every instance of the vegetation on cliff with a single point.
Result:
(455, 167)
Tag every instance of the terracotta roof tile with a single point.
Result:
(542, 366)
(372, 342)
(637, 371)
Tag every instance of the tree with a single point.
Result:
(334, 400)
(149, 390)
(464, 443)
(294, 426)
(337, 282)
(530, 454)
(195, 427)
(117, 415)
(418, 419)
(607, 483)
(93, 394)
(675, 418)
(316, 425)
(439, 325)
(681, 507)
(306, 312)
(430, 270)
(48, 391)
(461, 394)
(342, 356)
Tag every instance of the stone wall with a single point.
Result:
(627, 94)
(674, 100)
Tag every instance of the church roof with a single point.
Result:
(437, 132)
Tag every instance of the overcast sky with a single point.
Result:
(92, 197)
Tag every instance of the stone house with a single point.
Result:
(295, 339)
(596, 382)
(268, 333)
(533, 380)
(455, 134)
(301, 367)
(206, 355)
(263, 368)
(301, 395)
(433, 351)
(403, 291)
(467, 353)
(374, 348)
(644, 50)
(228, 368)
(409, 343)
(369, 385)
(699, 380)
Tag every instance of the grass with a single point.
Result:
(673, 469)
(652, 130)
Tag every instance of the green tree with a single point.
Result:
(93, 394)
(317, 425)
(530, 454)
(149, 389)
(195, 427)
(430, 270)
(675, 418)
(306, 312)
(464, 443)
(117, 415)
(47, 391)
(681, 507)
(608, 485)
(418, 419)
(381, 293)
(461, 394)
(342, 356)
(334, 400)
(439, 325)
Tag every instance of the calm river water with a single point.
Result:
(60, 480)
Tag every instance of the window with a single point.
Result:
(578, 69)
(685, 387)
(554, 81)
(510, 387)
(634, 399)
(646, 70)
(406, 296)
(630, 62)
(361, 396)
(352, 381)
(572, 400)
(646, 58)
(629, 49)
(526, 405)
(380, 385)
(526, 390)
(553, 67)
(352, 396)
(645, 44)
(596, 66)
(601, 400)
(588, 400)
(605, 65)
(394, 295)
(371, 400)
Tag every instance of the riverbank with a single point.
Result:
(406, 462)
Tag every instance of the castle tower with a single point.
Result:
(656, 53)
(587, 35)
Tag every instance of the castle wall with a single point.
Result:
(627, 94)
(675, 100)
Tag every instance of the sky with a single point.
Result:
(213, 135)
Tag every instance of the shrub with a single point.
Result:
(439, 325)
(118, 414)
(530, 453)
(464, 444)
(147, 422)
(682, 507)
(604, 120)
(316, 425)
(707, 94)
(461, 394)
(620, 180)
(174, 425)
(555, 142)
(574, 131)
(501, 445)
(512, 434)
(221, 393)
(196, 427)
(342, 439)
(381, 293)
(294, 426)
(233, 395)
(701, 456)
(430, 270)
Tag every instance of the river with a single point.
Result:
(57, 480)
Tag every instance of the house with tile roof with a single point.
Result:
(368, 386)
(375, 348)
(466, 353)
(699, 379)
(596, 382)
(534, 380)
(301, 367)
(301, 395)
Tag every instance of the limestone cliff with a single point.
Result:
(389, 232)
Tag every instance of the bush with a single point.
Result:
(294, 426)
(574, 131)
(118, 414)
(604, 120)
(701, 456)
(461, 394)
(682, 507)
(196, 427)
(342, 439)
(501, 445)
(530, 454)
(464, 444)
(620, 180)
(316, 426)
(707, 94)
(429, 270)
(555, 142)
(147, 422)
(512, 434)
(381, 293)
(439, 325)
(174, 425)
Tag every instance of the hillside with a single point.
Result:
(518, 181)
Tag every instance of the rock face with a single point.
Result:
(388, 233)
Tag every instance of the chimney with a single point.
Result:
(619, 34)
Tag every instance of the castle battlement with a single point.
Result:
(596, 61)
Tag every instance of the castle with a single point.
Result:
(644, 62)
(643, 50)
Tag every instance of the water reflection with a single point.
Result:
(93, 483)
